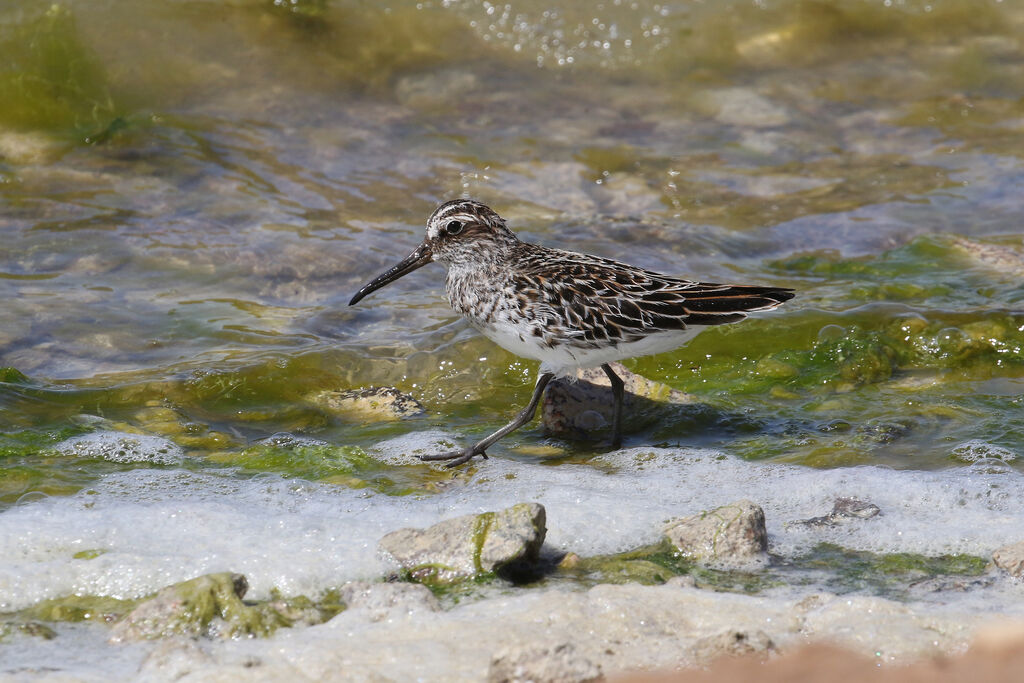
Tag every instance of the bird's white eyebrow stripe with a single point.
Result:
(453, 209)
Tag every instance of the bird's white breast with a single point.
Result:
(563, 359)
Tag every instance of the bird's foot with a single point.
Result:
(457, 457)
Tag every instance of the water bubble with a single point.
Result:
(978, 451)
(951, 340)
(831, 333)
(31, 497)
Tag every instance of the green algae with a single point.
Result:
(78, 608)
(90, 554)
(656, 564)
(50, 80)
(481, 527)
(860, 366)
(827, 565)
(209, 605)
(891, 355)
(29, 628)
(343, 465)
(888, 574)
(11, 375)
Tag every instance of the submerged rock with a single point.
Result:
(845, 510)
(732, 536)
(951, 583)
(209, 605)
(544, 664)
(1001, 257)
(575, 407)
(468, 546)
(375, 403)
(1010, 558)
(615, 569)
(743, 107)
(34, 629)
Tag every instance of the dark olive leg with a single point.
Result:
(459, 457)
(618, 392)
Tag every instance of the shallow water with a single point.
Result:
(189, 207)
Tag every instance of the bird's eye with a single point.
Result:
(453, 227)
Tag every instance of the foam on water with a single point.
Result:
(976, 449)
(156, 527)
(123, 448)
(404, 449)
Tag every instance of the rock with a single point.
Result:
(542, 664)
(28, 148)
(577, 407)
(381, 601)
(744, 107)
(1001, 257)
(684, 581)
(435, 88)
(614, 570)
(560, 186)
(173, 659)
(75, 608)
(1011, 559)
(731, 643)
(622, 629)
(845, 510)
(209, 605)
(468, 546)
(375, 403)
(37, 630)
(628, 195)
(732, 536)
(947, 583)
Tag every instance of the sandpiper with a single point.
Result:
(565, 309)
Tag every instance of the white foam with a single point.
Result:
(158, 527)
(976, 450)
(122, 447)
(404, 449)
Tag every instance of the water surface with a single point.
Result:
(189, 206)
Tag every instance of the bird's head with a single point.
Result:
(459, 232)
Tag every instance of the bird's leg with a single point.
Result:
(525, 415)
(618, 392)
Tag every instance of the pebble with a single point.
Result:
(577, 407)
(1010, 558)
(374, 403)
(468, 546)
(732, 536)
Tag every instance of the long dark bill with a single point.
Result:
(417, 259)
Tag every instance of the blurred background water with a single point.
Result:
(192, 191)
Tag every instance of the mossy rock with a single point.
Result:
(209, 605)
(471, 546)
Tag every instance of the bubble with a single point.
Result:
(976, 450)
(123, 448)
(951, 341)
(831, 333)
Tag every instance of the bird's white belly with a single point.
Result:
(563, 359)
